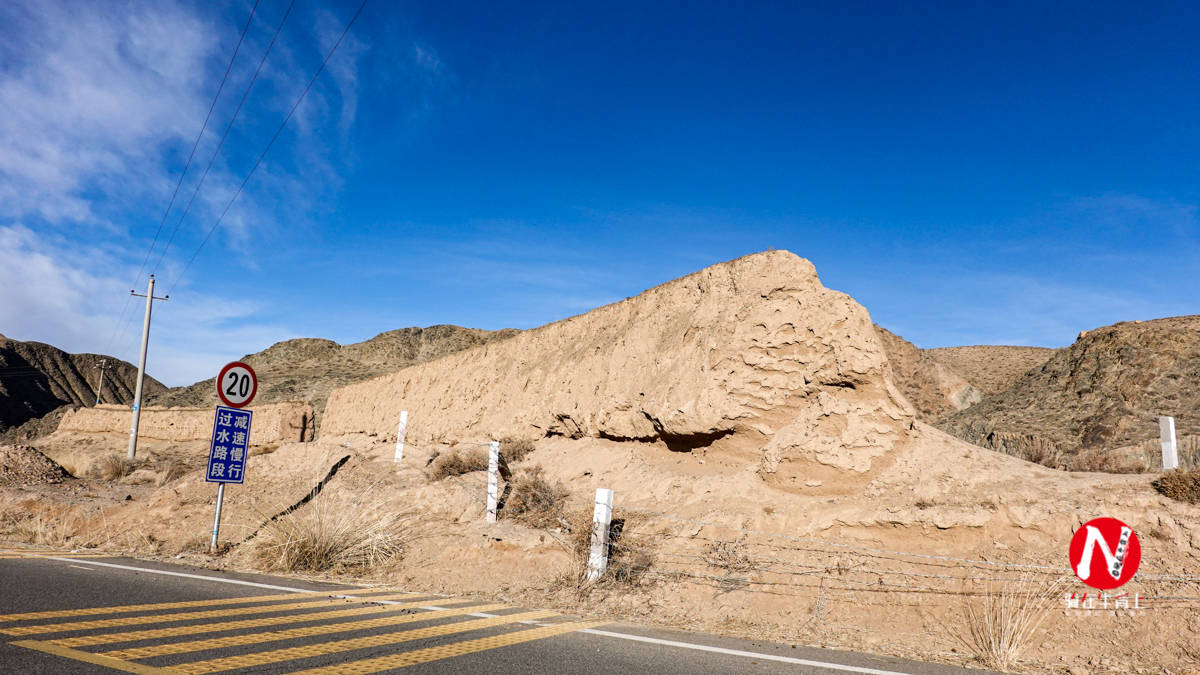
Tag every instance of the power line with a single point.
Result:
(187, 165)
(270, 143)
(224, 135)
(199, 136)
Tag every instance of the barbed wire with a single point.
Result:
(769, 564)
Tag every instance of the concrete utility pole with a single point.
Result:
(137, 394)
(100, 386)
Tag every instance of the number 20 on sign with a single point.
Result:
(237, 384)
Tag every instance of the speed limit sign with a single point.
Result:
(237, 384)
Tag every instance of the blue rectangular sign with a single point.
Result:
(230, 446)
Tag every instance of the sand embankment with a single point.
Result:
(273, 422)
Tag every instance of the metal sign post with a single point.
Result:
(227, 456)
(236, 386)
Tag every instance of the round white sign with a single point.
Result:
(237, 384)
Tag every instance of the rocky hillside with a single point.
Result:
(933, 388)
(1104, 391)
(991, 368)
(37, 378)
(307, 369)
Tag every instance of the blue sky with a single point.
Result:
(972, 173)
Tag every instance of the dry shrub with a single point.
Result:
(1091, 459)
(332, 534)
(730, 557)
(43, 523)
(1001, 623)
(1180, 484)
(174, 471)
(535, 501)
(457, 463)
(514, 449)
(630, 554)
(1039, 451)
(112, 467)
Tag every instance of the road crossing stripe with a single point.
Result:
(163, 618)
(174, 631)
(307, 631)
(324, 648)
(96, 659)
(121, 609)
(440, 652)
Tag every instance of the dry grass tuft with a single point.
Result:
(112, 467)
(535, 501)
(730, 557)
(332, 534)
(1091, 459)
(630, 552)
(1039, 451)
(514, 450)
(44, 523)
(457, 463)
(998, 625)
(1180, 484)
(173, 471)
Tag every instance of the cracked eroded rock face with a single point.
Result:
(752, 356)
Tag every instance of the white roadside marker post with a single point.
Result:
(1166, 439)
(493, 479)
(601, 521)
(400, 431)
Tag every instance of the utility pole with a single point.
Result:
(100, 386)
(137, 395)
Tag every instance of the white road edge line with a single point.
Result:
(590, 631)
(737, 652)
(185, 575)
(256, 584)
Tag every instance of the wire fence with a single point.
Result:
(672, 548)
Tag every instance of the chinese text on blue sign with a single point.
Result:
(230, 445)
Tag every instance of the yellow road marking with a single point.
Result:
(121, 609)
(305, 632)
(164, 618)
(95, 659)
(447, 651)
(174, 631)
(308, 651)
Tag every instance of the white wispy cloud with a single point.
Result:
(59, 292)
(99, 105)
(93, 100)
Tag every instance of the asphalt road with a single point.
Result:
(70, 613)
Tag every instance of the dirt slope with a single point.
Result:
(990, 368)
(307, 369)
(37, 378)
(1104, 391)
(932, 387)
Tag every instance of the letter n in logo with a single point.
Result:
(1105, 553)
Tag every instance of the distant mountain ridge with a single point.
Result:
(37, 378)
(1102, 392)
(308, 369)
